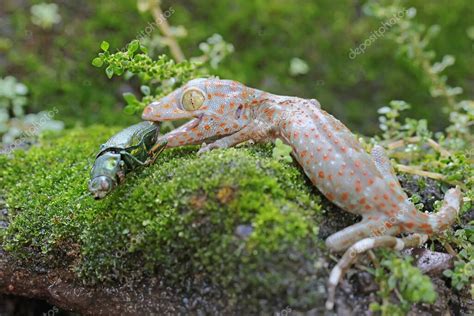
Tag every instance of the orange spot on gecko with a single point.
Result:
(270, 113)
(345, 196)
(425, 226)
(321, 174)
(220, 110)
(362, 201)
(358, 186)
(330, 196)
(410, 225)
(370, 181)
(207, 127)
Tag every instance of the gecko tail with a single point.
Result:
(435, 223)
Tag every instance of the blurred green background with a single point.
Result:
(55, 62)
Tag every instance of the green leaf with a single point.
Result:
(129, 109)
(97, 62)
(104, 46)
(143, 49)
(130, 98)
(145, 90)
(109, 71)
(133, 46)
(118, 70)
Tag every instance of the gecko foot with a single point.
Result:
(208, 147)
(360, 247)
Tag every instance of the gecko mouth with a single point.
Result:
(195, 122)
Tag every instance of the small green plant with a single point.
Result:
(398, 276)
(45, 15)
(298, 67)
(14, 123)
(463, 273)
(12, 98)
(393, 129)
(158, 77)
(451, 159)
(214, 50)
(413, 40)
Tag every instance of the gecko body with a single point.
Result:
(228, 113)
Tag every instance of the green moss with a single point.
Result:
(236, 218)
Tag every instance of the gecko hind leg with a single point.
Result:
(344, 238)
(351, 255)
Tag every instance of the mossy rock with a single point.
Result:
(236, 221)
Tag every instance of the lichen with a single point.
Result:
(236, 218)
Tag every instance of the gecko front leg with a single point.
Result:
(255, 131)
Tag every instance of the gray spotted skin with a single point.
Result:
(328, 152)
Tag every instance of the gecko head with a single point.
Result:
(218, 107)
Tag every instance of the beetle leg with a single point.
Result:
(154, 152)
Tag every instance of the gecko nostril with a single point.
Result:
(148, 110)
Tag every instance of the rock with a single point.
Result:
(431, 262)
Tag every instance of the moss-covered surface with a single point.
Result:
(234, 230)
(235, 219)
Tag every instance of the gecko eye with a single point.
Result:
(192, 99)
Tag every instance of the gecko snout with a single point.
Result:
(149, 111)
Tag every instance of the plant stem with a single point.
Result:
(164, 27)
